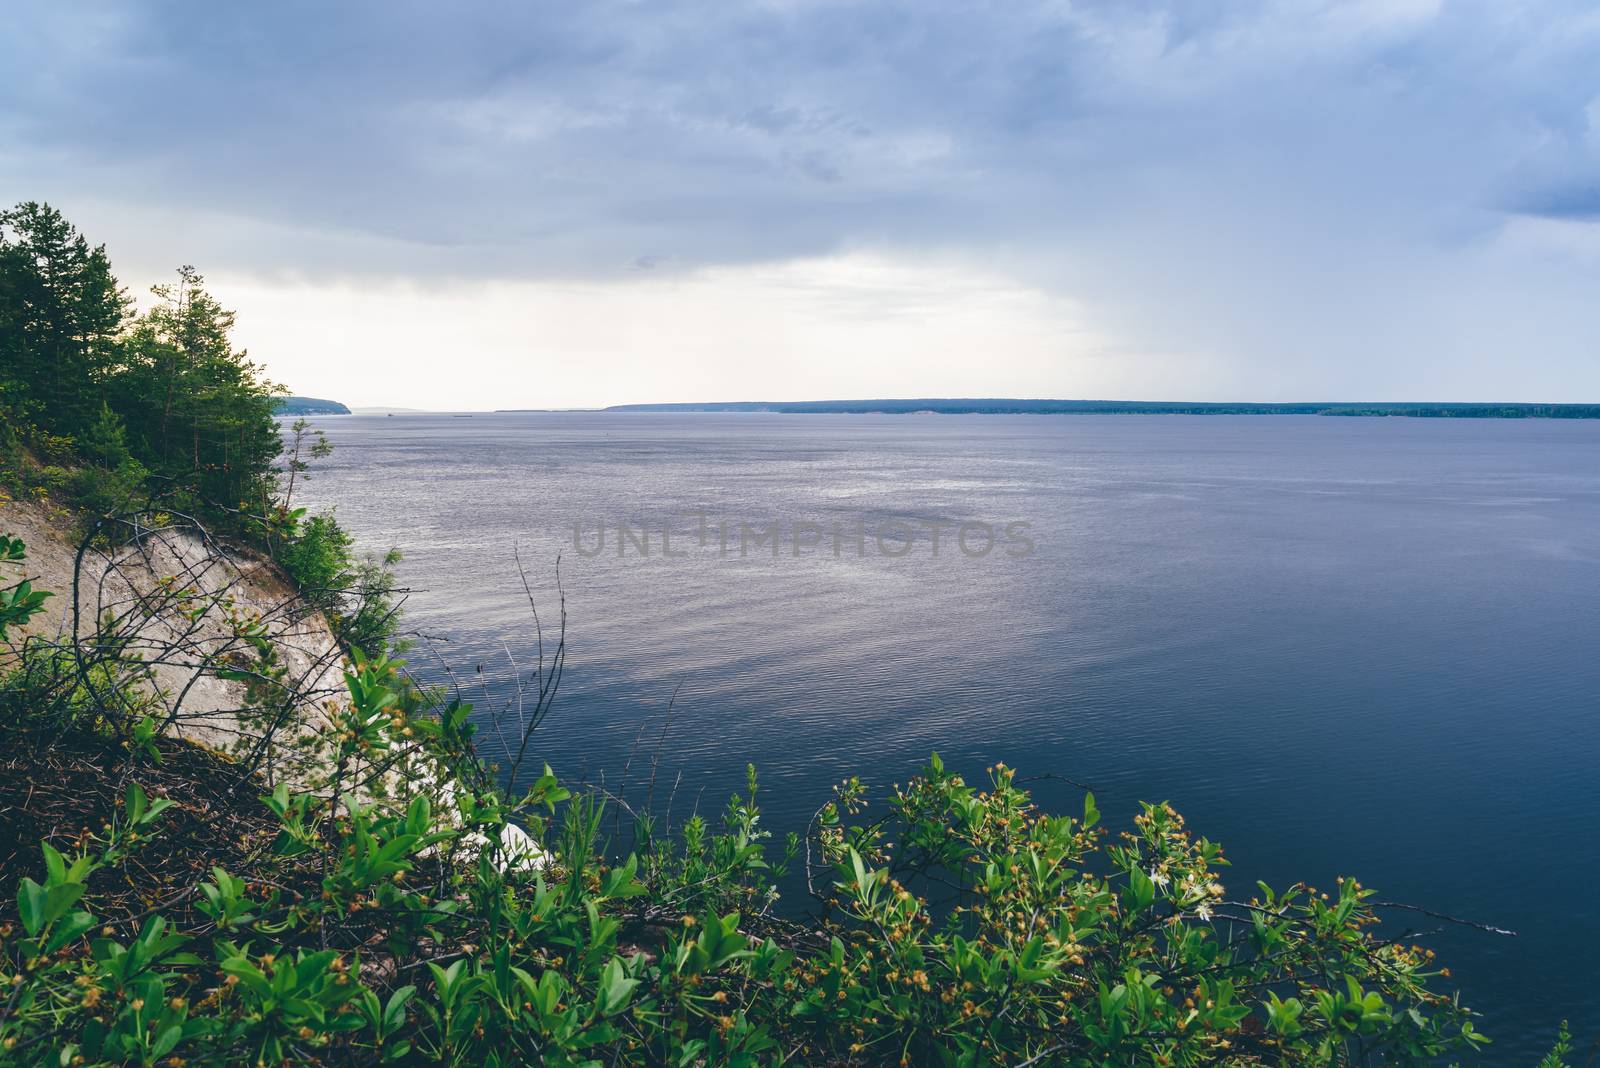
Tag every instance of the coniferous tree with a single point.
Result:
(163, 393)
(198, 409)
(61, 317)
(105, 441)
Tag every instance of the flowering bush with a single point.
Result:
(366, 934)
(400, 908)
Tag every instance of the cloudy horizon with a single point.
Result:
(581, 205)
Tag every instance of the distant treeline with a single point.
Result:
(309, 406)
(1004, 406)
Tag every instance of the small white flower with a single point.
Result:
(1159, 877)
(1204, 912)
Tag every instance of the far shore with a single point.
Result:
(1004, 406)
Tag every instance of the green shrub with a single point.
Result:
(395, 931)
(372, 615)
(48, 688)
(356, 593)
(107, 491)
(105, 441)
(51, 478)
(400, 908)
(319, 556)
(1557, 1057)
(19, 601)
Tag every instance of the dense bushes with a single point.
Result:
(399, 908)
(355, 592)
(318, 555)
(19, 601)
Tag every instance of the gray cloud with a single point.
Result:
(557, 137)
(1334, 166)
(1580, 202)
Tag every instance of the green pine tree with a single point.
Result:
(61, 318)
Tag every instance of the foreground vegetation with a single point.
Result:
(184, 910)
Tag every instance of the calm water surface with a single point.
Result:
(1362, 646)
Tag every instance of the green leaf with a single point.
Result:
(53, 863)
(136, 803)
(249, 975)
(616, 988)
(58, 899)
(165, 1041)
(1141, 887)
(31, 903)
(394, 1014)
(68, 930)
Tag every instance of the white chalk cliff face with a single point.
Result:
(192, 609)
(217, 645)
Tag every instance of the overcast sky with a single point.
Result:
(587, 203)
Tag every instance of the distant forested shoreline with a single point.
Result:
(1003, 406)
(308, 406)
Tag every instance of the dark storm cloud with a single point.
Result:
(540, 139)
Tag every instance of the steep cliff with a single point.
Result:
(195, 612)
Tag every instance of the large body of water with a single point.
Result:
(1338, 646)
